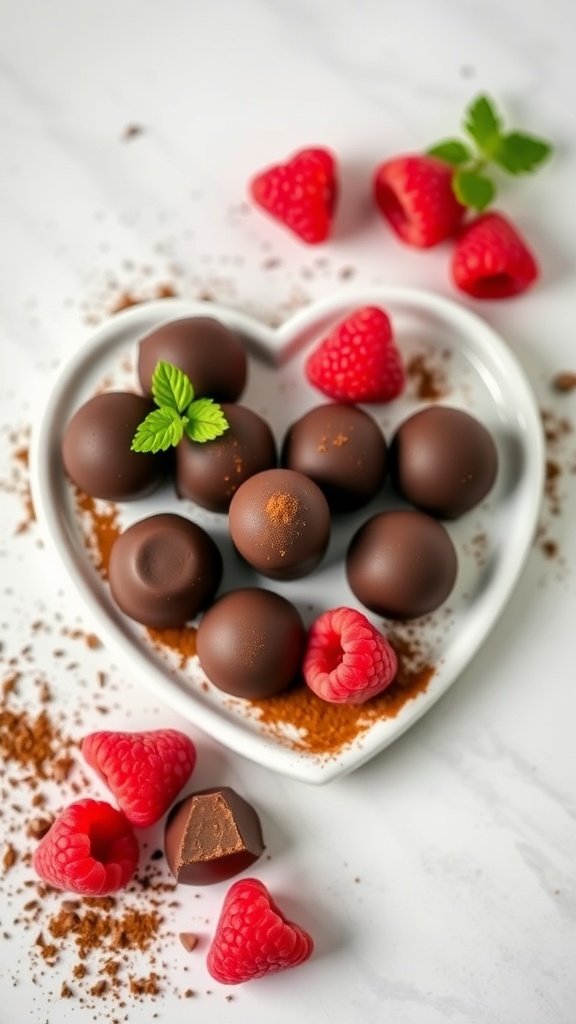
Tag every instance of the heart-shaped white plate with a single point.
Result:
(492, 540)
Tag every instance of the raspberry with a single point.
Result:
(253, 938)
(347, 660)
(491, 259)
(358, 361)
(301, 193)
(144, 770)
(90, 849)
(414, 193)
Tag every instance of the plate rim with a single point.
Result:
(279, 341)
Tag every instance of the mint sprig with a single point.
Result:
(179, 413)
(513, 152)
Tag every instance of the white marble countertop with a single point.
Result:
(438, 880)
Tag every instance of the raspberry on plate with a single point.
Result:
(347, 660)
(253, 938)
(144, 770)
(90, 850)
(414, 193)
(359, 360)
(491, 259)
(300, 193)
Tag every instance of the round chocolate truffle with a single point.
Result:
(211, 354)
(163, 570)
(96, 448)
(251, 642)
(342, 449)
(443, 461)
(280, 523)
(211, 473)
(401, 564)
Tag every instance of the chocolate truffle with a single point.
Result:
(342, 449)
(210, 473)
(211, 836)
(250, 643)
(401, 564)
(280, 523)
(212, 355)
(443, 461)
(96, 448)
(163, 570)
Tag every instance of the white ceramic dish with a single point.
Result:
(492, 540)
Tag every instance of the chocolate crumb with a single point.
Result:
(188, 940)
(564, 382)
(132, 131)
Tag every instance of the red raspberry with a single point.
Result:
(358, 361)
(415, 195)
(90, 849)
(347, 661)
(144, 770)
(491, 259)
(301, 193)
(253, 938)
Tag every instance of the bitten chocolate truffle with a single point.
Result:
(443, 461)
(211, 354)
(96, 448)
(251, 642)
(211, 473)
(280, 523)
(401, 564)
(163, 570)
(342, 449)
(211, 836)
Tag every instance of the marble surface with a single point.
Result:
(438, 881)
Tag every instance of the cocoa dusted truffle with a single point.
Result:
(211, 836)
(163, 570)
(342, 449)
(280, 523)
(211, 473)
(210, 353)
(401, 564)
(251, 642)
(443, 461)
(96, 448)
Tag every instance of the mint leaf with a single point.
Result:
(518, 153)
(171, 387)
(473, 189)
(161, 429)
(484, 125)
(204, 420)
(452, 151)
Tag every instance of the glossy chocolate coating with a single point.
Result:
(210, 353)
(96, 448)
(280, 523)
(342, 449)
(211, 473)
(443, 461)
(211, 836)
(163, 570)
(401, 564)
(250, 643)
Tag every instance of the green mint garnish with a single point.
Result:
(204, 420)
(171, 388)
(179, 413)
(513, 152)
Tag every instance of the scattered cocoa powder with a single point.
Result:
(182, 641)
(132, 131)
(101, 528)
(560, 465)
(426, 377)
(17, 481)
